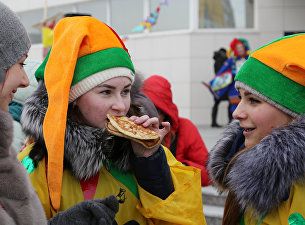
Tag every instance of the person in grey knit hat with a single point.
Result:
(19, 203)
(18, 200)
(15, 42)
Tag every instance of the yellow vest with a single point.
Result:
(288, 213)
(183, 206)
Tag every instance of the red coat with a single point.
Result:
(190, 146)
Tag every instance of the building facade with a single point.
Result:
(180, 45)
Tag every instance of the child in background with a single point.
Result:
(184, 139)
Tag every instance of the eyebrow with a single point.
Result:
(112, 87)
(247, 93)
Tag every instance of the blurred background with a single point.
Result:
(172, 38)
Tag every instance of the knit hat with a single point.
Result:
(85, 53)
(276, 74)
(14, 40)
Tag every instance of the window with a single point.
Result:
(226, 14)
(97, 9)
(30, 18)
(126, 15)
(174, 16)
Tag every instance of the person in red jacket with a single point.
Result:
(184, 139)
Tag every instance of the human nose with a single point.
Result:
(118, 104)
(239, 113)
(24, 81)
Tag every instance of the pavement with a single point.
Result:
(210, 135)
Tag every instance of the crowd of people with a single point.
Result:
(71, 170)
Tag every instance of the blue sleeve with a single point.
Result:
(153, 174)
(226, 66)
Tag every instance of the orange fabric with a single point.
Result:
(285, 57)
(73, 37)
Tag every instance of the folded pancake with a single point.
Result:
(123, 127)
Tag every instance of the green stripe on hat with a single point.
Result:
(93, 63)
(273, 85)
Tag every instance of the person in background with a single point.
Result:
(240, 50)
(260, 158)
(88, 74)
(184, 139)
(18, 200)
(219, 57)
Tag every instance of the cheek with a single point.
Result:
(127, 105)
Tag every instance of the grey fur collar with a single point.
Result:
(262, 176)
(85, 147)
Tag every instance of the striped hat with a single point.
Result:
(276, 73)
(85, 53)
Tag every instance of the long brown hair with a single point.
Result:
(232, 211)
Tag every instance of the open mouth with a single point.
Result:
(248, 131)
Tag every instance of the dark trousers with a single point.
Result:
(215, 109)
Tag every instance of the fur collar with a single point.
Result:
(262, 176)
(86, 148)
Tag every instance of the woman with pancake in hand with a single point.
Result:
(260, 158)
(88, 74)
(184, 139)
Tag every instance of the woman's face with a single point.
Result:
(15, 77)
(258, 117)
(241, 51)
(111, 96)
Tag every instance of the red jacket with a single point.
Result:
(190, 148)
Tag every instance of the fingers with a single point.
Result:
(166, 128)
(145, 121)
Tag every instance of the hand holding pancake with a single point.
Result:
(153, 124)
(143, 132)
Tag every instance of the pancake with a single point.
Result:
(123, 127)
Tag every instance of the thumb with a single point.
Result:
(166, 128)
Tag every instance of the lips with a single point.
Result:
(248, 131)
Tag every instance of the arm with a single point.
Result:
(153, 174)
(226, 66)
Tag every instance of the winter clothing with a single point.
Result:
(74, 69)
(70, 162)
(268, 179)
(87, 151)
(15, 42)
(233, 65)
(18, 200)
(103, 211)
(188, 146)
(269, 69)
(233, 45)
(219, 57)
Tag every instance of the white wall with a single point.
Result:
(185, 58)
(27, 5)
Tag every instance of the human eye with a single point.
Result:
(126, 91)
(254, 100)
(105, 92)
(22, 64)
